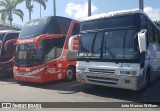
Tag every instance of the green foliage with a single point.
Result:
(30, 6)
(8, 9)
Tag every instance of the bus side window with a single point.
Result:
(156, 37)
(76, 29)
(151, 38)
(143, 22)
(49, 50)
(143, 25)
(11, 36)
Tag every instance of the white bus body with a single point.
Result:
(119, 49)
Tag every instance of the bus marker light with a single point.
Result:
(59, 76)
(28, 69)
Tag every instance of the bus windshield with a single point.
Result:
(45, 25)
(2, 36)
(27, 55)
(109, 44)
(109, 38)
(34, 28)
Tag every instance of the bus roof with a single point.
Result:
(48, 17)
(112, 14)
(9, 31)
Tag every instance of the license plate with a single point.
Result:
(23, 78)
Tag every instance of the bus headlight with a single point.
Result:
(125, 72)
(35, 71)
(29, 73)
(80, 69)
(131, 73)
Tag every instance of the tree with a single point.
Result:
(8, 9)
(29, 5)
(41, 5)
(3, 18)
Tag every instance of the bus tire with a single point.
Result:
(70, 74)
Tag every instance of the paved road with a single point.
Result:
(61, 91)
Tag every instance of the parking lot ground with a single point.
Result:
(61, 91)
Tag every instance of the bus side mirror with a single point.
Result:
(39, 39)
(73, 43)
(142, 41)
(8, 43)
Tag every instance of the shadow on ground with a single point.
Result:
(152, 94)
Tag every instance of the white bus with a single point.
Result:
(118, 49)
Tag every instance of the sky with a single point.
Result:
(77, 9)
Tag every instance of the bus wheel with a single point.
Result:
(70, 74)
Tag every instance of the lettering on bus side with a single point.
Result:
(125, 65)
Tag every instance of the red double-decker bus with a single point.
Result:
(7, 51)
(42, 53)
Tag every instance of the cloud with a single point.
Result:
(154, 14)
(79, 11)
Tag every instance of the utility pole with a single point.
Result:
(89, 8)
(54, 7)
(40, 10)
(141, 4)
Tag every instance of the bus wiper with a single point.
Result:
(84, 51)
(85, 54)
(95, 52)
(110, 52)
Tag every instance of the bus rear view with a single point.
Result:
(118, 49)
(42, 50)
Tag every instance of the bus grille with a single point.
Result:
(107, 71)
(102, 80)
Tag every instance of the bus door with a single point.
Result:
(52, 55)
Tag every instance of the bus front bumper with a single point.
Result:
(124, 82)
(35, 79)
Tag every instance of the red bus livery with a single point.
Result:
(42, 53)
(8, 40)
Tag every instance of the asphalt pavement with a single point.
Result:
(61, 91)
